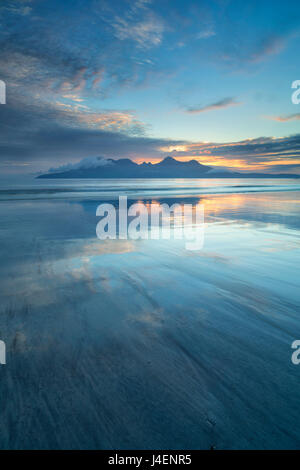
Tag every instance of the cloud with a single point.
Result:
(147, 32)
(135, 22)
(123, 121)
(38, 137)
(290, 168)
(245, 52)
(225, 103)
(88, 162)
(269, 46)
(51, 53)
(289, 117)
(206, 33)
(30, 142)
(111, 120)
(13, 7)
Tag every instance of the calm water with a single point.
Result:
(141, 344)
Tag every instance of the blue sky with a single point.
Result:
(145, 79)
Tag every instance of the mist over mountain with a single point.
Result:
(98, 167)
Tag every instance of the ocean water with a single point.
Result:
(142, 344)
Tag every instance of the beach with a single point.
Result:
(142, 344)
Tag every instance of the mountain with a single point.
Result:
(126, 168)
(97, 167)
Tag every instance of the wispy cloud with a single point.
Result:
(122, 121)
(18, 7)
(146, 32)
(288, 117)
(225, 103)
(271, 45)
(206, 33)
(254, 51)
(140, 25)
(77, 114)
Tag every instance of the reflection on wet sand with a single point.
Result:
(142, 344)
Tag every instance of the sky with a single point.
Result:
(144, 79)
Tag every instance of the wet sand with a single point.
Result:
(142, 344)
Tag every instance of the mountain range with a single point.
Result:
(99, 167)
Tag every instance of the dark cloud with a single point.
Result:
(290, 168)
(250, 153)
(262, 147)
(42, 136)
(49, 136)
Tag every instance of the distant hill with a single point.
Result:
(168, 168)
